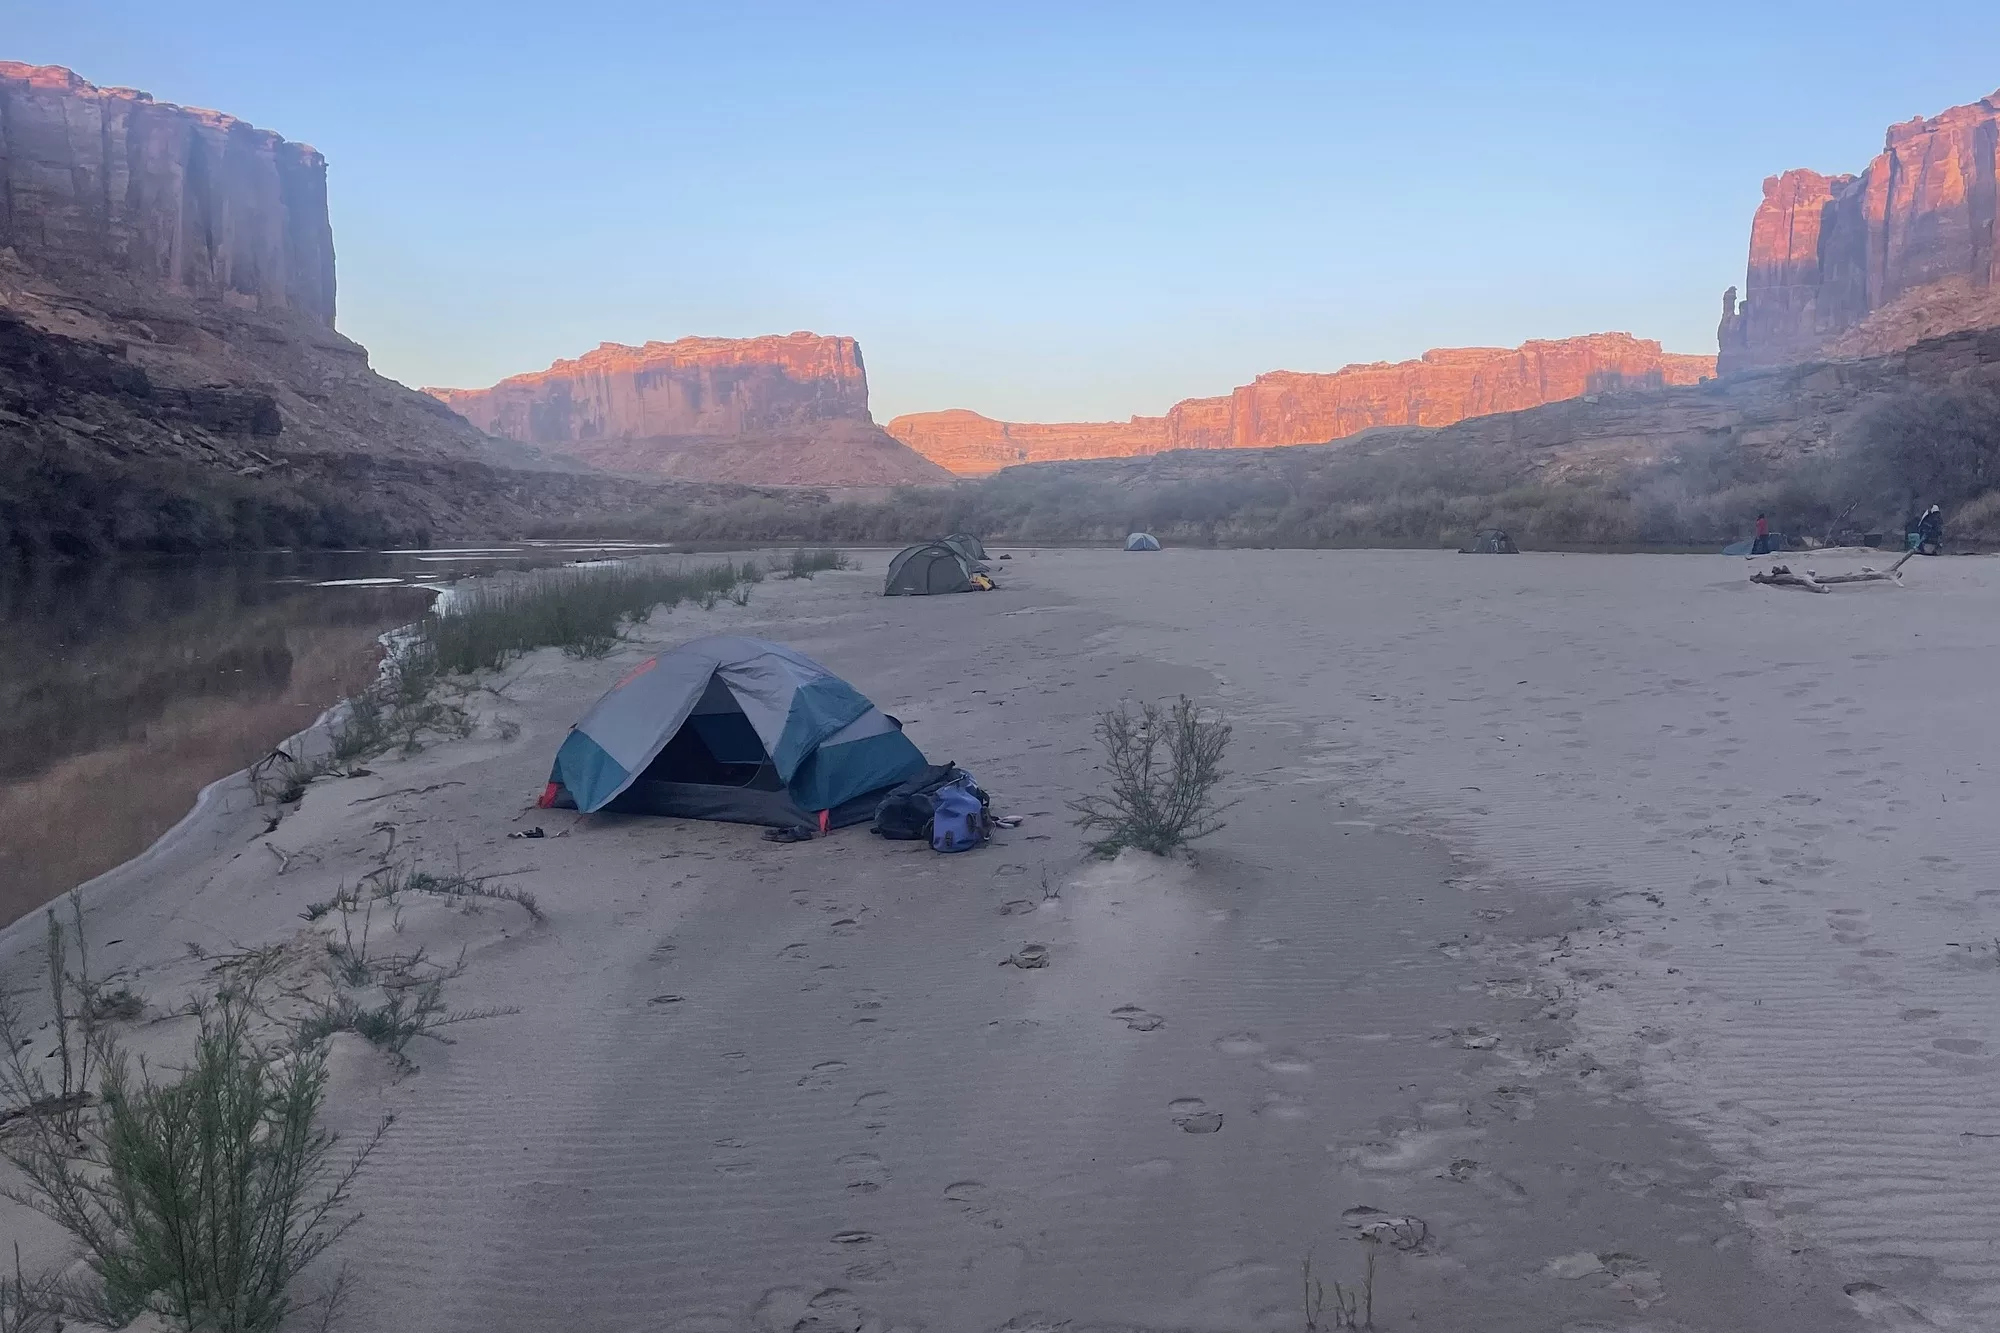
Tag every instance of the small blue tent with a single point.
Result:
(1142, 541)
(736, 729)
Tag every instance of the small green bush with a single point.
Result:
(200, 1198)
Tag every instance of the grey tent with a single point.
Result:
(966, 545)
(1142, 541)
(933, 567)
(735, 729)
(1490, 541)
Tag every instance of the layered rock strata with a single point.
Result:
(786, 409)
(1291, 407)
(1864, 265)
(106, 183)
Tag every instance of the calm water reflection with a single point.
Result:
(126, 688)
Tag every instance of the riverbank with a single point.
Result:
(754, 1085)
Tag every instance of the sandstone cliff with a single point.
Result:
(169, 371)
(1779, 414)
(1291, 407)
(1864, 265)
(106, 183)
(777, 410)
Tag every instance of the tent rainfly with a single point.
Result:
(966, 545)
(918, 571)
(736, 729)
(1142, 541)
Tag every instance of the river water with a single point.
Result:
(127, 687)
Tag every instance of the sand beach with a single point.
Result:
(1612, 938)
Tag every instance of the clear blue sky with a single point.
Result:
(1038, 210)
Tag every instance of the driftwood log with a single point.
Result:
(1781, 576)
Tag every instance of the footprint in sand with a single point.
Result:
(1240, 1043)
(871, 1107)
(821, 1075)
(1282, 1106)
(1137, 1019)
(794, 951)
(1193, 1116)
(847, 925)
(1285, 1062)
(801, 1310)
(866, 1257)
(866, 1173)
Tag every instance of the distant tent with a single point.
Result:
(735, 729)
(933, 567)
(966, 545)
(1490, 541)
(1748, 546)
(1142, 541)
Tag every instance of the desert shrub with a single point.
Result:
(804, 564)
(1164, 763)
(199, 1199)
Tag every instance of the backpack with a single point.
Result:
(958, 819)
(905, 813)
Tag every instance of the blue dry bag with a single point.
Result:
(958, 821)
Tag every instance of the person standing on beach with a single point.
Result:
(1762, 546)
(1930, 531)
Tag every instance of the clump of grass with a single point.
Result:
(342, 901)
(1164, 763)
(584, 612)
(119, 1005)
(804, 563)
(405, 1013)
(464, 888)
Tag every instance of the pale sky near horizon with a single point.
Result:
(1041, 211)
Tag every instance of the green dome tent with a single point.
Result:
(918, 571)
(966, 545)
(736, 729)
(1142, 541)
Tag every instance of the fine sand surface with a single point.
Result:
(1630, 926)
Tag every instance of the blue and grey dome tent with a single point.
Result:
(1142, 541)
(735, 729)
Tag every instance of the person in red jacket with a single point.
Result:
(1762, 546)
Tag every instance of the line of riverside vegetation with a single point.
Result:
(1933, 447)
(483, 625)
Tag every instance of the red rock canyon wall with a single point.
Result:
(105, 184)
(786, 409)
(1868, 264)
(696, 386)
(1291, 407)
